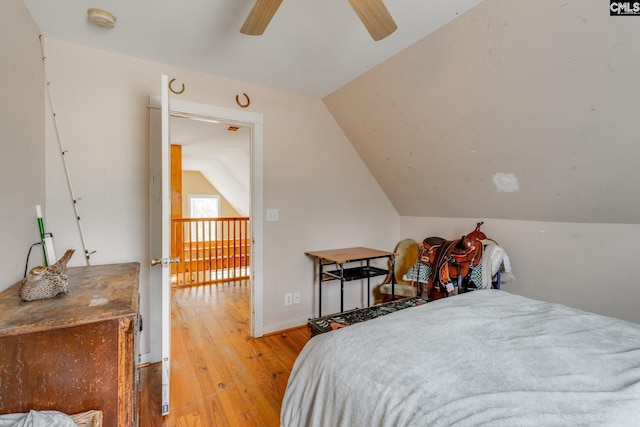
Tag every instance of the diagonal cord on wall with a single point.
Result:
(64, 152)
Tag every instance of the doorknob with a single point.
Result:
(164, 261)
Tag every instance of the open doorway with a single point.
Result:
(211, 200)
(160, 210)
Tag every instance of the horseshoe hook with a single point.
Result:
(175, 91)
(241, 104)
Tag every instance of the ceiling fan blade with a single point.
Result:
(259, 17)
(375, 17)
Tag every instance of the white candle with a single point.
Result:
(38, 211)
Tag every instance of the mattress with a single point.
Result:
(482, 358)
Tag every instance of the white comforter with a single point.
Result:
(482, 358)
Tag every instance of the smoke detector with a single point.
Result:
(101, 18)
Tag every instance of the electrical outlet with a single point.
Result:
(288, 299)
(296, 297)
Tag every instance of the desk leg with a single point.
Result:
(368, 285)
(319, 288)
(393, 277)
(341, 288)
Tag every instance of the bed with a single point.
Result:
(486, 357)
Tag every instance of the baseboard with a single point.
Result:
(284, 326)
(145, 359)
(284, 331)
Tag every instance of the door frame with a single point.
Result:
(255, 122)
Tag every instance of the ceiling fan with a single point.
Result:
(373, 14)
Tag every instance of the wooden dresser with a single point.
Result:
(74, 352)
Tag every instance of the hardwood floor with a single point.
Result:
(220, 376)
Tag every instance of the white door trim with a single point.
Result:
(255, 121)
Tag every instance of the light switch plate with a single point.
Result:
(272, 214)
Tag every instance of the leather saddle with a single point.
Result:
(451, 260)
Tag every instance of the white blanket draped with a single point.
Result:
(481, 358)
(37, 419)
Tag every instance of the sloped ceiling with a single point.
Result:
(311, 47)
(517, 110)
(221, 156)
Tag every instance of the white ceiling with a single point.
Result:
(311, 47)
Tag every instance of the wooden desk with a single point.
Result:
(339, 257)
(74, 352)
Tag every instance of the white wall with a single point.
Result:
(325, 195)
(588, 266)
(194, 183)
(22, 165)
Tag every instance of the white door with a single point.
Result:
(160, 222)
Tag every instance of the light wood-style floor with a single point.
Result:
(220, 376)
